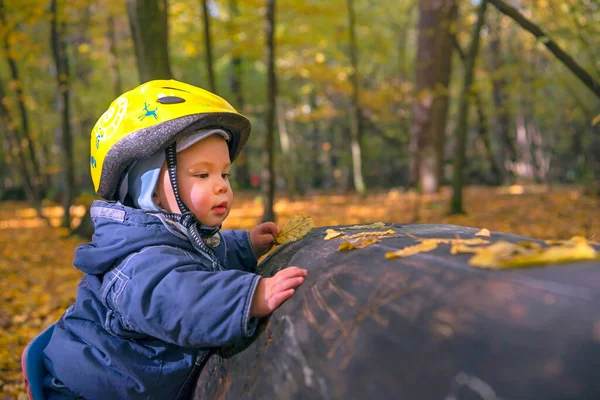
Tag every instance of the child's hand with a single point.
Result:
(262, 237)
(272, 292)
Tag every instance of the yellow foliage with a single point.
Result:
(504, 254)
(375, 225)
(484, 232)
(37, 279)
(359, 243)
(374, 233)
(425, 246)
(332, 234)
(296, 228)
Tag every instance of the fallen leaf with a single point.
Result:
(375, 225)
(489, 256)
(424, 246)
(296, 228)
(375, 233)
(509, 255)
(458, 248)
(359, 243)
(530, 245)
(346, 245)
(468, 242)
(332, 234)
(484, 232)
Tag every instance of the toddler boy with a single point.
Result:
(163, 284)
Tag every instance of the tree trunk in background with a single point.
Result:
(38, 182)
(149, 30)
(23, 170)
(113, 56)
(506, 152)
(482, 123)
(433, 71)
(212, 85)
(456, 206)
(16, 150)
(59, 52)
(355, 120)
(288, 155)
(242, 171)
(268, 170)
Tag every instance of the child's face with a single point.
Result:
(203, 179)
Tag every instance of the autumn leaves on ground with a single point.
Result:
(38, 281)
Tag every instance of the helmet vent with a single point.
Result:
(172, 88)
(170, 100)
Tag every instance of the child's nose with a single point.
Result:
(222, 185)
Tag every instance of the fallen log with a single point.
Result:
(428, 326)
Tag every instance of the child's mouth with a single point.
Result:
(220, 208)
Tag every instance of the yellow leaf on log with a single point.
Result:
(484, 232)
(332, 234)
(375, 225)
(296, 228)
(458, 248)
(375, 233)
(424, 246)
(509, 255)
(359, 243)
(529, 245)
(467, 242)
(346, 245)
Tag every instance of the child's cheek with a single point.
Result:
(201, 200)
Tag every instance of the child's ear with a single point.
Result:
(155, 198)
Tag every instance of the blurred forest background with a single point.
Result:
(344, 96)
(362, 111)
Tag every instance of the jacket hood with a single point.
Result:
(120, 231)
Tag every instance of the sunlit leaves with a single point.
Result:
(296, 228)
(503, 254)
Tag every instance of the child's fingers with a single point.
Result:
(288, 284)
(291, 272)
(279, 298)
(269, 228)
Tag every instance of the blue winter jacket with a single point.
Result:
(149, 304)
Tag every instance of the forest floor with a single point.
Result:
(38, 281)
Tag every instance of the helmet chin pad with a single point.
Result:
(138, 185)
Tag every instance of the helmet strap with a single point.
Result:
(195, 229)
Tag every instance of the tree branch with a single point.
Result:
(566, 59)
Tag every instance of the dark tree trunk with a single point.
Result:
(23, 170)
(482, 122)
(505, 144)
(242, 171)
(456, 206)
(212, 85)
(355, 121)
(433, 71)
(59, 52)
(13, 143)
(268, 168)
(148, 20)
(38, 181)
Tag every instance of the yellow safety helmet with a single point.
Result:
(150, 118)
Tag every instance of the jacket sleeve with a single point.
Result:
(239, 251)
(170, 297)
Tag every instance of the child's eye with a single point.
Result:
(202, 175)
(226, 176)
